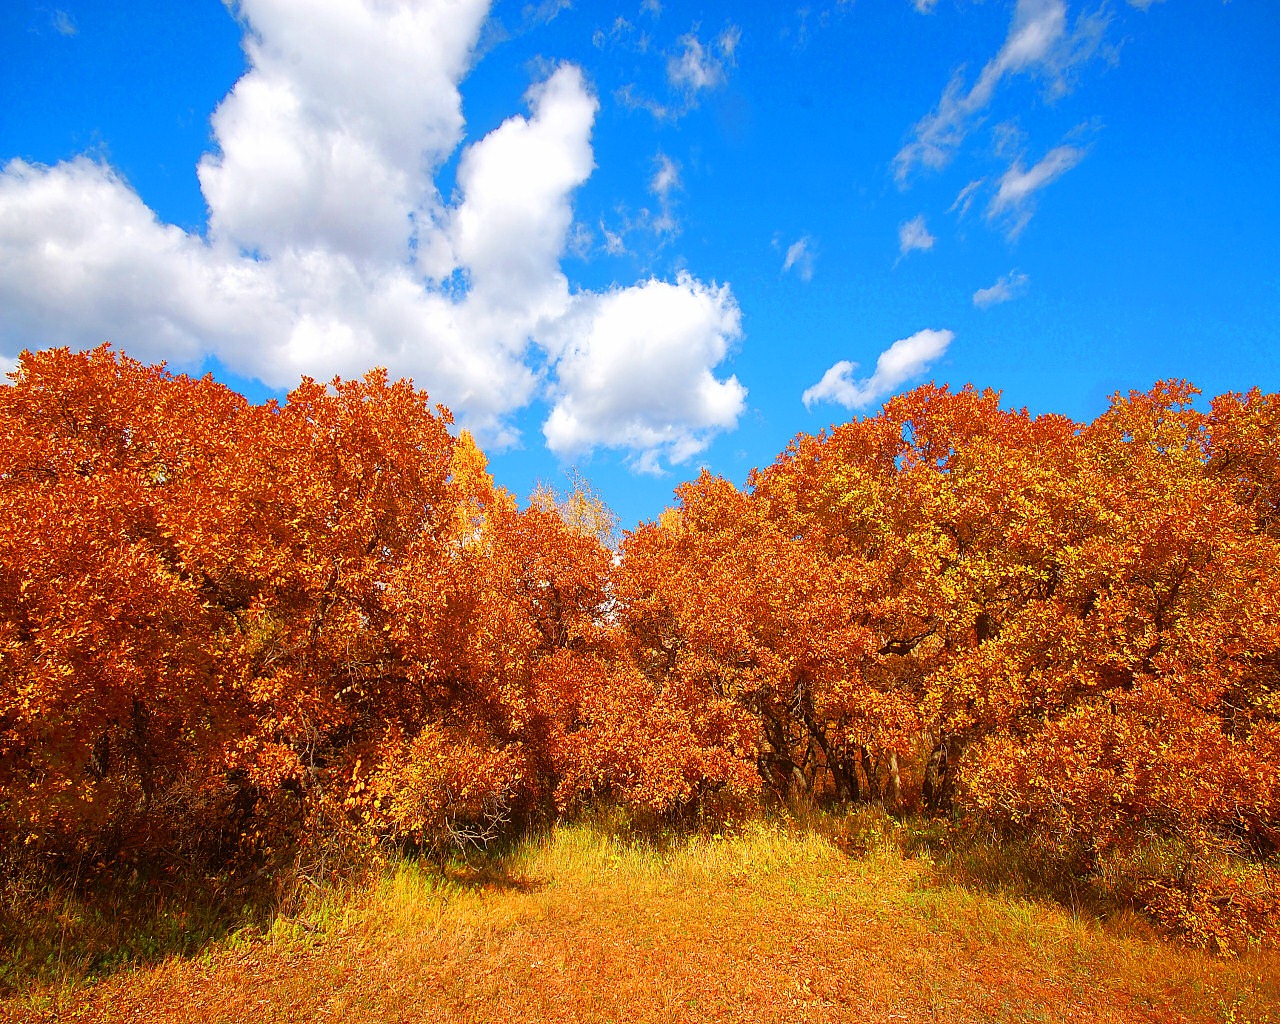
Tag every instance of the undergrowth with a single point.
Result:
(59, 934)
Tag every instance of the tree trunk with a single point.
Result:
(940, 772)
(845, 779)
(895, 784)
(872, 772)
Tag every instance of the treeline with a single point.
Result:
(231, 634)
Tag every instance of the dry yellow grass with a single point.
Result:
(770, 925)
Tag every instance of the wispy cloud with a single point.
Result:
(666, 176)
(615, 242)
(1010, 286)
(697, 65)
(965, 199)
(581, 239)
(924, 6)
(545, 12)
(1014, 201)
(800, 258)
(63, 23)
(631, 98)
(1038, 43)
(897, 364)
(665, 180)
(913, 235)
(692, 68)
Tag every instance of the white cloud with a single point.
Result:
(321, 144)
(545, 12)
(1038, 43)
(728, 41)
(614, 242)
(665, 177)
(965, 199)
(1014, 199)
(800, 258)
(634, 371)
(924, 6)
(1144, 4)
(1010, 286)
(329, 249)
(515, 213)
(665, 180)
(631, 98)
(63, 23)
(912, 235)
(901, 361)
(83, 260)
(701, 65)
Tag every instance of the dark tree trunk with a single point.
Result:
(843, 773)
(940, 772)
(872, 772)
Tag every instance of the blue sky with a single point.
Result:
(644, 238)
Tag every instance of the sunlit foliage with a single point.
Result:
(228, 630)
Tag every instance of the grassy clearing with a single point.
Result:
(773, 923)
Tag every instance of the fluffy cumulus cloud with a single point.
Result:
(1014, 201)
(904, 359)
(1010, 286)
(912, 235)
(329, 249)
(634, 370)
(1040, 43)
(321, 143)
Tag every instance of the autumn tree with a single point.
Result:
(212, 604)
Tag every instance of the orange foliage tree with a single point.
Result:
(1083, 617)
(208, 604)
(230, 614)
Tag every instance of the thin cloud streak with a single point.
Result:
(1010, 286)
(1038, 43)
(1014, 201)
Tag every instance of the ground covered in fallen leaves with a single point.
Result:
(768, 925)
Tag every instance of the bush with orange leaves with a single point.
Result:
(322, 618)
(1080, 624)
(205, 603)
(657, 749)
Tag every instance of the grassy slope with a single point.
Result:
(767, 926)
